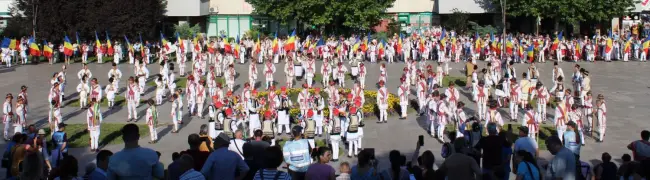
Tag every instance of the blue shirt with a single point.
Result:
(369, 175)
(222, 164)
(527, 144)
(522, 170)
(135, 163)
(506, 153)
(571, 143)
(98, 174)
(563, 165)
(59, 138)
(296, 154)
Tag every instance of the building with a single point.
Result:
(414, 13)
(234, 17)
(4, 13)
(187, 11)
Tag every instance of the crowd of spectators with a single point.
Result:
(494, 156)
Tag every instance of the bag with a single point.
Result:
(446, 150)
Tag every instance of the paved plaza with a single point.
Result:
(623, 84)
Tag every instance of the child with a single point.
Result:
(152, 121)
(111, 89)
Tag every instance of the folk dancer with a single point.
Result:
(531, 121)
(352, 134)
(514, 98)
(557, 72)
(310, 71)
(432, 112)
(561, 118)
(230, 77)
(422, 90)
(95, 119)
(288, 70)
(494, 116)
(55, 115)
(143, 75)
(341, 71)
(100, 54)
(383, 73)
(8, 115)
(62, 81)
(542, 96)
(333, 94)
(254, 108)
(326, 71)
(461, 118)
(283, 111)
(269, 69)
(110, 90)
(382, 102)
(304, 98)
(587, 106)
(576, 117)
(335, 133)
(362, 75)
(319, 105)
(212, 83)
(116, 74)
(442, 114)
(190, 93)
(84, 54)
(310, 128)
(83, 89)
(201, 97)
(175, 112)
(452, 98)
(132, 98)
(481, 96)
(23, 95)
(160, 89)
(152, 121)
(585, 84)
(84, 71)
(95, 90)
(601, 116)
(404, 97)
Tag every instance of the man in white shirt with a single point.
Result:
(237, 144)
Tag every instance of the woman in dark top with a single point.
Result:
(607, 169)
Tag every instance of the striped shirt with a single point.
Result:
(192, 175)
(270, 175)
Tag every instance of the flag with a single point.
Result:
(97, 43)
(422, 46)
(306, 44)
(128, 44)
(164, 41)
(381, 48)
(521, 51)
(477, 44)
(109, 46)
(399, 45)
(531, 53)
(291, 43)
(577, 50)
(258, 45)
(493, 42)
(227, 47)
(67, 46)
(274, 46)
(236, 51)
(33, 47)
(556, 42)
(12, 44)
(443, 39)
(319, 45)
(181, 45)
(628, 46)
(6, 42)
(142, 53)
(78, 40)
(195, 41)
(608, 45)
(364, 45)
(646, 44)
(47, 50)
(356, 45)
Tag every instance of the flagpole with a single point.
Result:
(35, 9)
(503, 36)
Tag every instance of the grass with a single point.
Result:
(546, 130)
(109, 134)
(458, 80)
(119, 101)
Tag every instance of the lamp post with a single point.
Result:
(503, 35)
(34, 9)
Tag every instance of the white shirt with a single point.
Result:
(236, 145)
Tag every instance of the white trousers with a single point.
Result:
(286, 128)
(403, 107)
(200, 109)
(176, 120)
(383, 115)
(131, 109)
(589, 118)
(153, 133)
(514, 111)
(310, 80)
(560, 131)
(482, 110)
(83, 100)
(94, 137)
(602, 125)
(334, 140)
(541, 111)
(353, 145)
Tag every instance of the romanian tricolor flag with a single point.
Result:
(258, 45)
(531, 53)
(291, 43)
(67, 46)
(47, 50)
(236, 51)
(646, 44)
(578, 50)
(142, 53)
(164, 42)
(339, 47)
(521, 51)
(364, 45)
(181, 45)
(509, 47)
(422, 46)
(33, 47)
(195, 41)
(275, 46)
(443, 39)
(227, 47)
(477, 44)
(381, 48)
(356, 45)
(13, 44)
(98, 44)
(609, 45)
(109, 46)
(493, 43)
(307, 42)
(628, 45)
(453, 43)
(128, 44)
(399, 45)
(556, 42)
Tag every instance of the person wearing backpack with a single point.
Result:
(527, 169)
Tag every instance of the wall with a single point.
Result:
(411, 6)
(471, 6)
(188, 7)
(231, 7)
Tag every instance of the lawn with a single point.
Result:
(120, 100)
(458, 80)
(110, 134)
(546, 130)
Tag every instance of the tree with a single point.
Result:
(57, 18)
(569, 11)
(457, 20)
(185, 31)
(331, 14)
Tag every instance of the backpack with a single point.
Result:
(446, 150)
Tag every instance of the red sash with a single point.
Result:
(271, 100)
(440, 113)
(540, 96)
(404, 90)
(481, 94)
(452, 97)
(201, 90)
(383, 96)
(305, 95)
(513, 94)
(310, 67)
(362, 71)
(562, 119)
(340, 71)
(269, 69)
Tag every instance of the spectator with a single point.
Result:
(41, 144)
(344, 168)
(258, 146)
(395, 172)
(174, 169)
(60, 140)
(492, 147)
(273, 159)
(18, 153)
(563, 164)
(527, 168)
(250, 161)
(506, 154)
(222, 163)
(236, 145)
(187, 167)
(627, 160)
(641, 148)
(365, 168)
(102, 165)
(607, 169)
(134, 162)
(32, 167)
(571, 139)
(31, 134)
(459, 165)
(90, 168)
(8, 156)
(526, 143)
(296, 154)
(68, 170)
(321, 170)
(631, 173)
(206, 141)
(198, 156)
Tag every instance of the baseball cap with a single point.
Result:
(296, 129)
(524, 129)
(41, 132)
(222, 139)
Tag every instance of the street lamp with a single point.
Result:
(503, 35)
(34, 9)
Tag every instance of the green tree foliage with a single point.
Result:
(457, 20)
(345, 14)
(185, 31)
(56, 18)
(569, 11)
